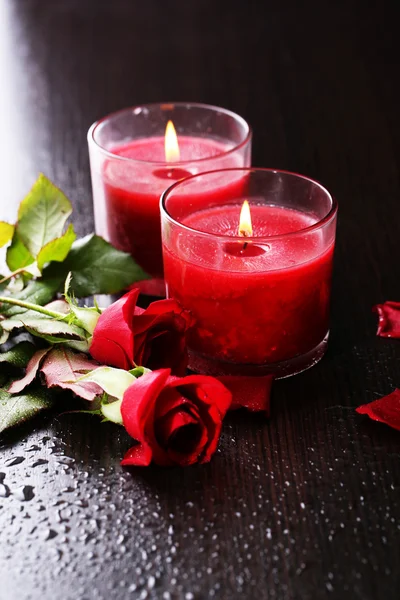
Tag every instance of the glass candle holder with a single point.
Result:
(258, 292)
(132, 164)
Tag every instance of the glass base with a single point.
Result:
(286, 368)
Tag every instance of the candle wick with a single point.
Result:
(245, 245)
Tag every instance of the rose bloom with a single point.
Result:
(175, 420)
(127, 335)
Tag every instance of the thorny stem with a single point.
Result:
(35, 307)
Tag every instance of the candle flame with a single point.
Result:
(171, 145)
(245, 228)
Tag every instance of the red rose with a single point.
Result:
(389, 319)
(126, 335)
(176, 420)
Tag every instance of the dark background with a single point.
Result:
(306, 505)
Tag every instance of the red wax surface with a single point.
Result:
(133, 190)
(251, 306)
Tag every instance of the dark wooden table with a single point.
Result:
(306, 505)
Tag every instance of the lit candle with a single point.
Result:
(255, 275)
(136, 153)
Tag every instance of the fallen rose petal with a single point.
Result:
(389, 319)
(386, 409)
(31, 372)
(253, 393)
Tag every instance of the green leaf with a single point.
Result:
(97, 268)
(17, 409)
(51, 329)
(6, 233)
(42, 215)
(18, 255)
(19, 355)
(56, 250)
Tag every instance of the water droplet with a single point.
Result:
(11, 462)
(65, 460)
(4, 491)
(24, 493)
(50, 534)
(40, 461)
(33, 448)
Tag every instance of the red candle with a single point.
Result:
(135, 154)
(132, 202)
(259, 302)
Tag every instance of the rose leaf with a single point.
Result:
(18, 255)
(42, 215)
(6, 233)
(18, 356)
(15, 409)
(96, 268)
(62, 368)
(30, 374)
(56, 250)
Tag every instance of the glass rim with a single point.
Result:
(330, 215)
(92, 132)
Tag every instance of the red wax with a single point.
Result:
(257, 303)
(133, 190)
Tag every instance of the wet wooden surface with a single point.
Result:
(306, 505)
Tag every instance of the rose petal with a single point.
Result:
(138, 456)
(160, 333)
(171, 422)
(137, 410)
(112, 342)
(177, 429)
(206, 389)
(172, 399)
(213, 423)
(212, 399)
(389, 319)
(253, 393)
(386, 409)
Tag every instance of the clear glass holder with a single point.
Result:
(129, 170)
(260, 302)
